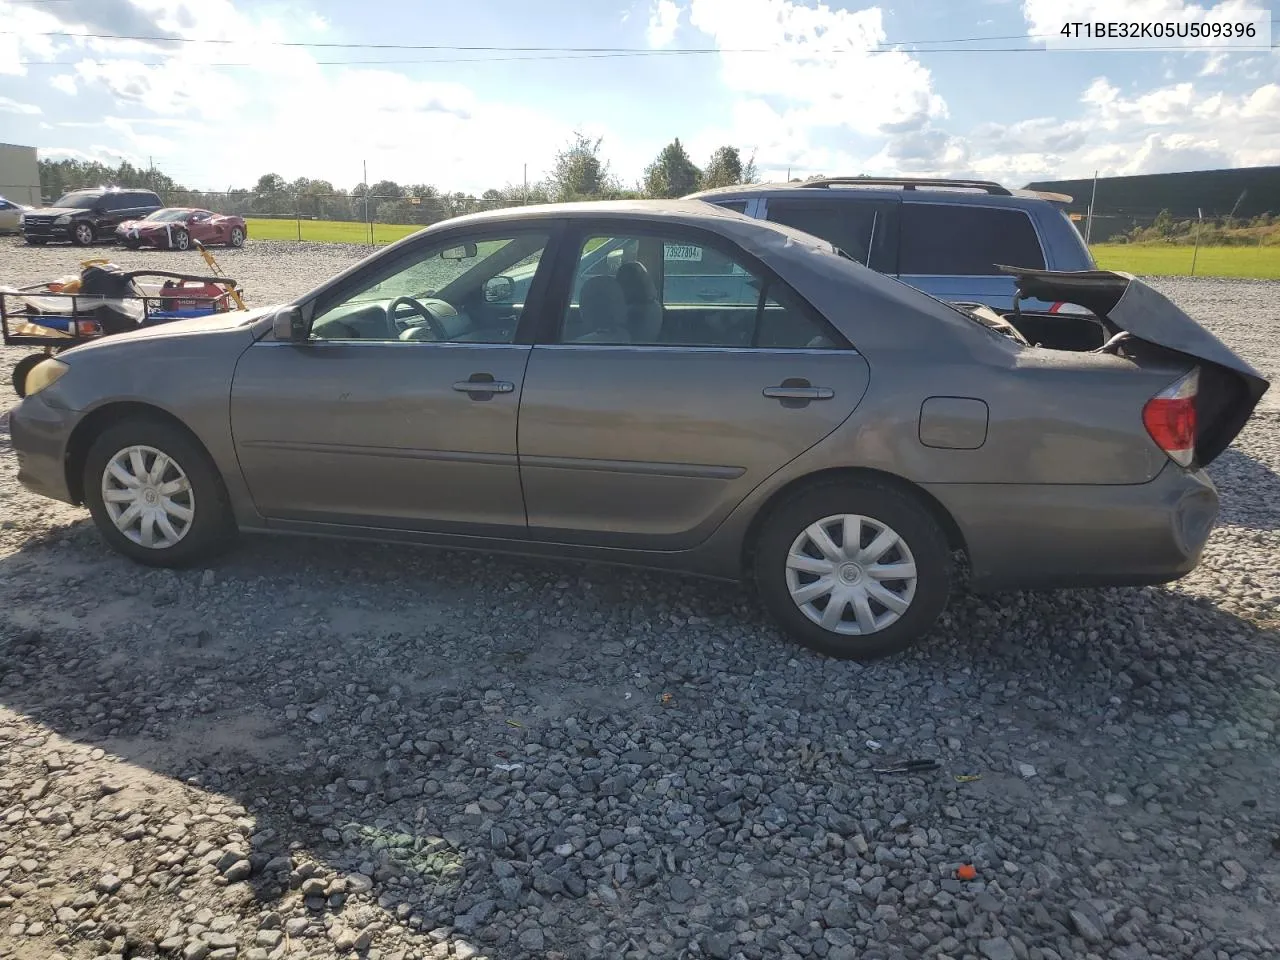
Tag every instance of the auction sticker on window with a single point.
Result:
(1221, 28)
(682, 251)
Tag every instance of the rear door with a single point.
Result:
(865, 229)
(952, 250)
(649, 413)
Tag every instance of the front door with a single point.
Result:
(650, 413)
(400, 408)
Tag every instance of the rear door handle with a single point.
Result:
(799, 393)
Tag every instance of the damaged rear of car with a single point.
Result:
(1196, 417)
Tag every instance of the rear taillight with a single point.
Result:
(1170, 418)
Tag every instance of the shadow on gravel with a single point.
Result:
(453, 729)
(1250, 491)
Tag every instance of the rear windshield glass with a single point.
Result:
(78, 199)
(961, 240)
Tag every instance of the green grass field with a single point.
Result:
(1168, 260)
(326, 231)
(1157, 259)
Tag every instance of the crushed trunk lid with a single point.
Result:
(1230, 387)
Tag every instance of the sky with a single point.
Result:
(804, 87)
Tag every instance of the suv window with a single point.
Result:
(961, 240)
(862, 229)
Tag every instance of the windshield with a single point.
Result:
(78, 199)
(168, 215)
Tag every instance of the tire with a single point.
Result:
(210, 527)
(881, 507)
(236, 237)
(82, 234)
(181, 240)
(20, 371)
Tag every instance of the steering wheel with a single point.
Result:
(395, 327)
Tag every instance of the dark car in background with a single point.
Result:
(85, 216)
(948, 238)
(177, 228)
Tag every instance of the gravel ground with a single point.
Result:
(333, 750)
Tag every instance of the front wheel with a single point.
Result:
(20, 371)
(155, 494)
(853, 569)
(82, 234)
(181, 240)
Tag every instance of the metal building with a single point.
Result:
(19, 174)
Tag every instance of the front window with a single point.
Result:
(465, 290)
(673, 290)
(78, 200)
(168, 216)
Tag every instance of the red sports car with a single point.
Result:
(175, 228)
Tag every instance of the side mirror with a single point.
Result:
(288, 326)
(463, 251)
(499, 289)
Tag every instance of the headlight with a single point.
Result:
(65, 218)
(44, 374)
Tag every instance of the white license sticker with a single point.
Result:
(682, 251)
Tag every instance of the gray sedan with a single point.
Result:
(830, 435)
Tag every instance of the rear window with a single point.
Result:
(738, 206)
(960, 240)
(859, 229)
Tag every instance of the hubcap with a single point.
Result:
(148, 497)
(237, 237)
(182, 241)
(850, 574)
(84, 234)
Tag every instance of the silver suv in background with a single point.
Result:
(948, 238)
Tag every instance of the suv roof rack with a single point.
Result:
(911, 183)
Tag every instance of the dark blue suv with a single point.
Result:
(945, 237)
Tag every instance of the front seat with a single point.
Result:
(602, 312)
(644, 310)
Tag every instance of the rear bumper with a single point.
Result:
(40, 434)
(1052, 536)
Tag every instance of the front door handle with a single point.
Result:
(482, 386)
(787, 392)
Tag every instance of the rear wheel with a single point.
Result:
(181, 240)
(156, 495)
(82, 234)
(236, 239)
(853, 569)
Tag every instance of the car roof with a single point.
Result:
(921, 190)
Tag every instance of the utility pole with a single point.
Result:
(1088, 224)
(1195, 253)
(526, 183)
(365, 164)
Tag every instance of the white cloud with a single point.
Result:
(664, 19)
(8, 105)
(819, 64)
(1168, 129)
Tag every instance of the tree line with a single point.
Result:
(580, 172)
